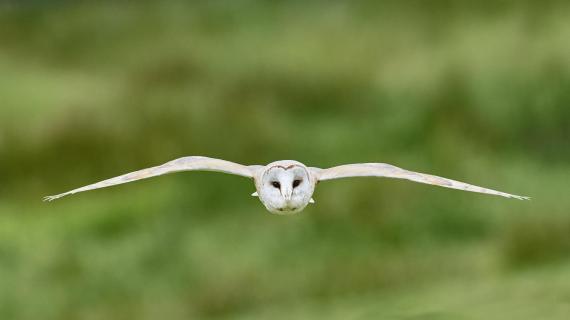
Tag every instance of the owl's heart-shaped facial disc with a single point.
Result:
(285, 187)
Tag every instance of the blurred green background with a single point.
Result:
(475, 91)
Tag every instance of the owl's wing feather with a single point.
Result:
(181, 164)
(390, 171)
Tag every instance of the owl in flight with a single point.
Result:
(286, 186)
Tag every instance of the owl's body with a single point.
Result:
(286, 186)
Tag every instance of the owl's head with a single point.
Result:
(285, 187)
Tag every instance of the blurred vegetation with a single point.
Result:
(476, 91)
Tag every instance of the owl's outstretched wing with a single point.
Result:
(390, 171)
(182, 164)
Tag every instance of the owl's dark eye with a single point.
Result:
(296, 183)
(276, 184)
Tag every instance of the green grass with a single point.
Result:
(474, 93)
(541, 294)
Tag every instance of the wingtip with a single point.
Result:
(51, 198)
(522, 197)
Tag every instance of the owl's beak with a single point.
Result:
(286, 192)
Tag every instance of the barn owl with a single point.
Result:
(286, 186)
